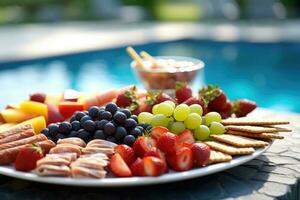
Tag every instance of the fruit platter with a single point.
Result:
(131, 136)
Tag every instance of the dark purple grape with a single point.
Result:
(111, 139)
(109, 128)
(99, 134)
(120, 117)
(129, 140)
(112, 108)
(53, 129)
(136, 132)
(65, 128)
(85, 118)
(73, 134)
(75, 125)
(126, 111)
(130, 124)
(93, 112)
(100, 124)
(106, 115)
(45, 131)
(120, 133)
(84, 135)
(89, 125)
(79, 115)
(135, 118)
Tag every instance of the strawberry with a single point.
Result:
(153, 166)
(186, 136)
(161, 97)
(158, 131)
(126, 153)
(214, 97)
(194, 100)
(38, 97)
(201, 153)
(227, 111)
(181, 159)
(128, 99)
(119, 167)
(27, 158)
(155, 152)
(142, 145)
(137, 167)
(167, 142)
(242, 107)
(182, 92)
(148, 166)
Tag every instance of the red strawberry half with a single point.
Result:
(128, 99)
(126, 153)
(119, 167)
(181, 160)
(142, 145)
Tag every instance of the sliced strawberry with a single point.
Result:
(119, 167)
(158, 131)
(27, 157)
(137, 167)
(167, 142)
(201, 153)
(153, 166)
(142, 145)
(126, 152)
(155, 152)
(182, 92)
(186, 136)
(214, 97)
(242, 107)
(181, 160)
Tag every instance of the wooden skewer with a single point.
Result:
(135, 57)
(147, 56)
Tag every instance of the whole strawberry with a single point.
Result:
(27, 158)
(128, 99)
(182, 92)
(214, 97)
(242, 107)
(227, 111)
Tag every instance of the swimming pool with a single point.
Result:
(265, 72)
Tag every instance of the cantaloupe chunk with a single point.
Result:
(34, 108)
(37, 123)
(15, 115)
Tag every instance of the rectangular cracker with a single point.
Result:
(252, 129)
(239, 141)
(218, 157)
(14, 130)
(279, 129)
(257, 136)
(230, 150)
(252, 121)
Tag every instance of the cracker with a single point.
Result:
(252, 121)
(252, 129)
(217, 157)
(230, 150)
(239, 141)
(279, 129)
(258, 136)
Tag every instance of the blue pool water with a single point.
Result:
(265, 72)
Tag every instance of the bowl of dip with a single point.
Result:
(167, 70)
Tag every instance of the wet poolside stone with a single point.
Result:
(274, 175)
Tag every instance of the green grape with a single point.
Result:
(181, 112)
(171, 103)
(170, 125)
(201, 133)
(154, 109)
(196, 108)
(177, 127)
(170, 119)
(165, 109)
(159, 120)
(216, 128)
(145, 117)
(193, 121)
(212, 117)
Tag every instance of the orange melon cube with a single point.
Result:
(37, 123)
(14, 115)
(34, 108)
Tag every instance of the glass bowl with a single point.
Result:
(166, 78)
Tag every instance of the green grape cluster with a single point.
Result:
(181, 117)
